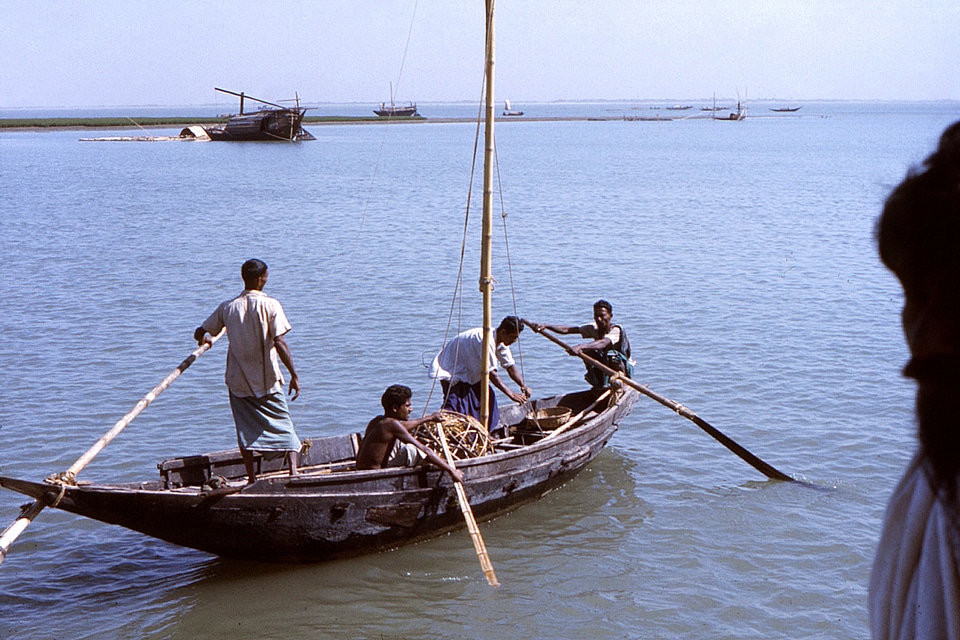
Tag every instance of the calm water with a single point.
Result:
(739, 256)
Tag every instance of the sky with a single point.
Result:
(89, 53)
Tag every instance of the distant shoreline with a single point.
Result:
(114, 123)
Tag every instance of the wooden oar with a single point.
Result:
(745, 455)
(69, 476)
(478, 544)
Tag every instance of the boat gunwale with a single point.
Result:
(306, 479)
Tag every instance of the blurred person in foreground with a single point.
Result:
(915, 582)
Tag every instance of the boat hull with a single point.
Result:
(397, 112)
(329, 514)
(262, 126)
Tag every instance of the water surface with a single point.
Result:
(739, 256)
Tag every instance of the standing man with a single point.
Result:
(461, 361)
(256, 326)
(609, 343)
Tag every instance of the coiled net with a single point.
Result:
(465, 436)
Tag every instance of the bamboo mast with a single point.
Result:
(486, 277)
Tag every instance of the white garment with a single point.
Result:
(460, 359)
(253, 321)
(915, 583)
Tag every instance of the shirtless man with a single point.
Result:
(387, 441)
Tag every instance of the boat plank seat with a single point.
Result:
(332, 451)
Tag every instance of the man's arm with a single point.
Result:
(287, 359)
(405, 436)
(500, 384)
(514, 372)
(562, 329)
(601, 344)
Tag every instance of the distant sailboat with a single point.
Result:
(507, 111)
(393, 111)
(737, 115)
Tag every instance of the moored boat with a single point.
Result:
(272, 122)
(394, 111)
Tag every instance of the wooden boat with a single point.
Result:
(785, 109)
(735, 116)
(394, 111)
(272, 122)
(680, 107)
(331, 510)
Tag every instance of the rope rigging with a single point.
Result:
(456, 303)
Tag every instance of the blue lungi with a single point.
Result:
(465, 398)
(264, 424)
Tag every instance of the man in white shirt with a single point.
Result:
(256, 326)
(460, 363)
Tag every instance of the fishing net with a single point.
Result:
(465, 436)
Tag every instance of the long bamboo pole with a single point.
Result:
(12, 532)
(472, 527)
(746, 456)
(486, 243)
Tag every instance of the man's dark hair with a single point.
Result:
(512, 324)
(602, 304)
(252, 269)
(395, 395)
(919, 231)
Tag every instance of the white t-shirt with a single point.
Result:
(253, 320)
(460, 359)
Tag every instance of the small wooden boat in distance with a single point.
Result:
(785, 109)
(394, 111)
